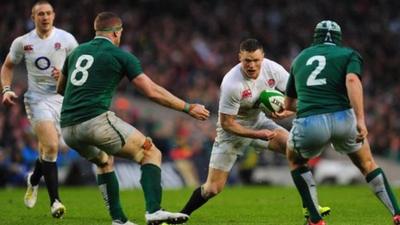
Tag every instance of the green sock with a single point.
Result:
(109, 188)
(305, 184)
(379, 184)
(151, 184)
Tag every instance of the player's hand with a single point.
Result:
(362, 131)
(55, 73)
(198, 111)
(266, 134)
(282, 114)
(9, 98)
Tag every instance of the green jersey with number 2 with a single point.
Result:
(318, 78)
(93, 72)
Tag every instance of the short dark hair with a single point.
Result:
(41, 2)
(250, 45)
(107, 22)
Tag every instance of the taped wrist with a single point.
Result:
(6, 89)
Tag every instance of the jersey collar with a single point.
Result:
(105, 38)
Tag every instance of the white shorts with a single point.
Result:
(310, 135)
(226, 150)
(105, 132)
(43, 108)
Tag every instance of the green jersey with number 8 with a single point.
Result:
(93, 71)
(318, 78)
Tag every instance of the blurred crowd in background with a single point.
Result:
(187, 46)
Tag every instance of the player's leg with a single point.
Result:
(216, 181)
(278, 144)
(136, 147)
(109, 187)
(48, 138)
(305, 184)
(32, 181)
(305, 142)
(76, 137)
(223, 157)
(376, 178)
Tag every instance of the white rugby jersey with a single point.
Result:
(41, 55)
(238, 94)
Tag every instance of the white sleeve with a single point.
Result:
(17, 51)
(72, 43)
(229, 101)
(281, 76)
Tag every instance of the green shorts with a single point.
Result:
(105, 132)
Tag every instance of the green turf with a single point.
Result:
(262, 205)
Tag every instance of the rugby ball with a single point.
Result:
(271, 101)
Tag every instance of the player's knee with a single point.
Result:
(211, 190)
(103, 161)
(368, 166)
(151, 154)
(50, 148)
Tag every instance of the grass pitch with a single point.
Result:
(258, 205)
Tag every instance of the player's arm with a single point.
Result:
(290, 105)
(355, 94)
(61, 83)
(7, 73)
(163, 97)
(229, 124)
(62, 78)
(291, 94)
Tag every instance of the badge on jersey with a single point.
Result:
(57, 45)
(28, 48)
(246, 94)
(271, 83)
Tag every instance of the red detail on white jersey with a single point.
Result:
(28, 48)
(271, 82)
(246, 93)
(57, 45)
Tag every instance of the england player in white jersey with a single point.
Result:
(241, 123)
(44, 50)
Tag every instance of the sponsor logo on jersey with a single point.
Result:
(57, 45)
(28, 48)
(271, 82)
(42, 63)
(246, 94)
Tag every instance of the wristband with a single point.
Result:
(186, 108)
(6, 89)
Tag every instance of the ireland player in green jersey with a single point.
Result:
(88, 82)
(324, 88)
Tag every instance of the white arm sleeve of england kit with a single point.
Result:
(229, 101)
(17, 51)
(72, 43)
(281, 76)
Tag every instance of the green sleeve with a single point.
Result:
(291, 87)
(355, 64)
(132, 66)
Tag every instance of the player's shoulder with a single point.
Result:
(233, 78)
(31, 34)
(269, 62)
(63, 33)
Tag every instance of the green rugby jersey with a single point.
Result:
(93, 71)
(318, 78)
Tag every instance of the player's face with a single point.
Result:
(251, 62)
(43, 17)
